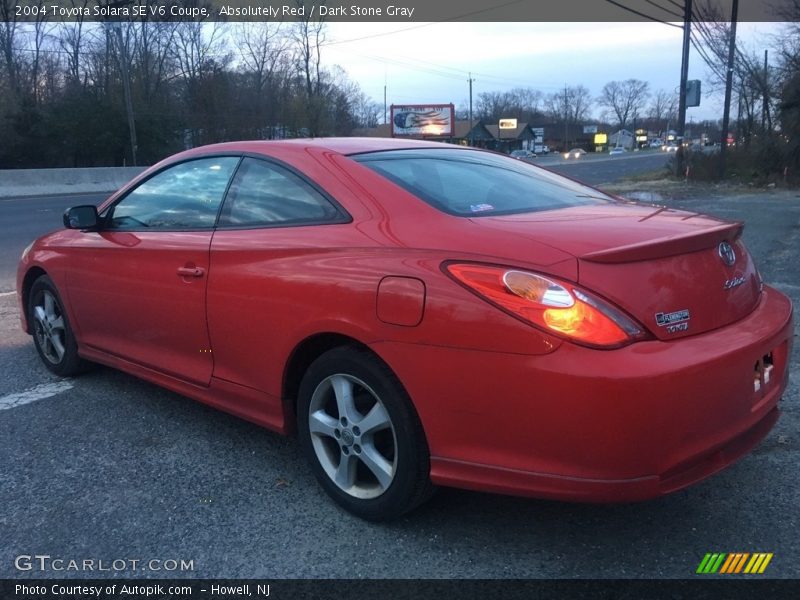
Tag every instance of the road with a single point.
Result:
(596, 170)
(105, 466)
(22, 220)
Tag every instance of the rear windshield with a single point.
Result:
(473, 183)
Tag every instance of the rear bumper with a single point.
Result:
(546, 485)
(599, 426)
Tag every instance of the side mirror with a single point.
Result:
(81, 217)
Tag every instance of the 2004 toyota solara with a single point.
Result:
(424, 315)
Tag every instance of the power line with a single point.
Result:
(641, 14)
(459, 74)
(454, 18)
(666, 10)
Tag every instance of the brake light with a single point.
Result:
(547, 303)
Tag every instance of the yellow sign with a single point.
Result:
(507, 124)
(600, 139)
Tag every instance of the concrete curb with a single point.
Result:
(19, 183)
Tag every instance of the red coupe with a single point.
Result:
(423, 314)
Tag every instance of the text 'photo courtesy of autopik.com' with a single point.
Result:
(474, 298)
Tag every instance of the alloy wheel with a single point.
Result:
(353, 436)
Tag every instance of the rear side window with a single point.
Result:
(265, 194)
(472, 183)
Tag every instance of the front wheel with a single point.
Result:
(362, 436)
(52, 334)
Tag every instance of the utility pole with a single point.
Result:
(765, 106)
(728, 83)
(566, 119)
(384, 94)
(126, 87)
(687, 37)
(471, 136)
(739, 115)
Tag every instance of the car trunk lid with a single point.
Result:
(667, 268)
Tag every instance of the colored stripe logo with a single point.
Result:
(734, 562)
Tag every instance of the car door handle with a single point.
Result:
(191, 271)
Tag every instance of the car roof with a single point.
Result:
(341, 145)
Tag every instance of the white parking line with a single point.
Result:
(7, 294)
(45, 390)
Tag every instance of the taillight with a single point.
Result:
(556, 306)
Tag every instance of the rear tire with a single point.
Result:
(52, 334)
(362, 436)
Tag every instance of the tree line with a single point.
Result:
(63, 96)
(621, 104)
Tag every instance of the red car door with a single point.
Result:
(273, 225)
(138, 285)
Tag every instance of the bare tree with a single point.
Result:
(262, 48)
(571, 104)
(663, 109)
(755, 85)
(153, 55)
(9, 31)
(520, 103)
(202, 56)
(491, 106)
(625, 99)
(569, 107)
(41, 32)
(309, 36)
(72, 40)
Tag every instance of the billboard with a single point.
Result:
(507, 124)
(422, 119)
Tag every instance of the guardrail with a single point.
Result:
(16, 183)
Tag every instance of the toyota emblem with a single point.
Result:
(726, 253)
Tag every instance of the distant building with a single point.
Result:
(463, 134)
(622, 138)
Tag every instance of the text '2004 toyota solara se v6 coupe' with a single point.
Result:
(423, 314)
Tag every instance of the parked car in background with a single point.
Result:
(656, 144)
(541, 149)
(522, 154)
(617, 150)
(422, 314)
(575, 153)
(670, 147)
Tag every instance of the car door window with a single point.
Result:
(185, 196)
(264, 194)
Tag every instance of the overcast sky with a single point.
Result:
(422, 63)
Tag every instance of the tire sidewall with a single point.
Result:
(70, 362)
(399, 496)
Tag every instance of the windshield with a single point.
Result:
(474, 183)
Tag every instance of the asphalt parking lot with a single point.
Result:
(107, 467)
